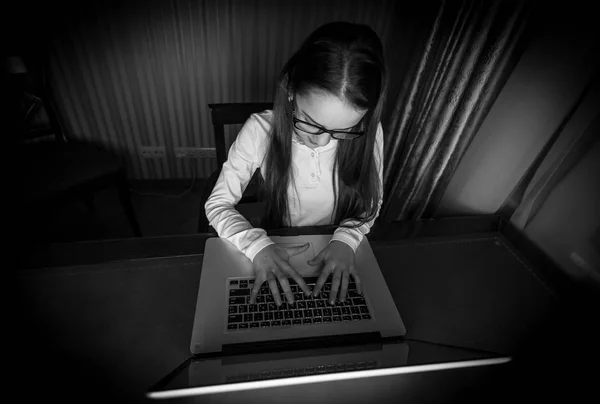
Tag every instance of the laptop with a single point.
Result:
(223, 317)
(238, 346)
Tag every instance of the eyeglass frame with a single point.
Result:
(323, 130)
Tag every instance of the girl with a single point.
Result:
(320, 153)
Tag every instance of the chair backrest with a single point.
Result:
(231, 114)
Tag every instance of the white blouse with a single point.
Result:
(310, 196)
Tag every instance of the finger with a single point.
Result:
(317, 260)
(285, 286)
(292, 273)
(297, 250)
(256, 288)
(274, 288)
(335, 284)
(357, 281)
(344, 288)
(321, 281)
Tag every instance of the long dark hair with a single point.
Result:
(345, 60)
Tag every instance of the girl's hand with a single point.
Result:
(272, 263)
(338, 258)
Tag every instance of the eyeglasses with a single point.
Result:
(319, 130)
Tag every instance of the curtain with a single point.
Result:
(448, 87)
(141, 73)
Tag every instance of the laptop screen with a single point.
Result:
(253, 371)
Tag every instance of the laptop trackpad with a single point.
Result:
(298, 262)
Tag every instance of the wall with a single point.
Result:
(545, 83)
(142, 73)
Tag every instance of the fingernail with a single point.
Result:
(331, 302)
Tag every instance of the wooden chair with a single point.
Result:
(231, 114)
(50, 166)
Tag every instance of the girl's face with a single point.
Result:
(325, 110)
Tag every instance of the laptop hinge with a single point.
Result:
(302, 343)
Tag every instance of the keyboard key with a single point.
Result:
(364, 310)
(317, 320)
(276, 323)
(258, 317)
(298, 314)
(327, 287)
(232, 327)
(265, 324)
(317, 312)
(320, 303)
(248, 317)
(354, 310)
(327, 312)
(311, 304)
(292, 306)
(345, 310)
(268, 315)
(269, 298)
(251, 282)
(348, 302)
(271, 306)
(233, 309)
(243, 326)
(234, 318)
(239, 292)
(307, 321)
(356, 317)
(337, 311)
(243, 308)
(338, 303)
(298, 296)
(307, 313)
(353, 293)
(337, 319)
(294, 288)
(327, 319)
(288, 314)
(297, 321)
(244, 284)
(358, 301)
(286, 322)
(347, 318)
(252, 308)
(260, 299)
(301, 305)
(264, 290)
(278, 315)
(254, 325)
(233, 282)
(237, 300)
(262, 307)
(366, 316)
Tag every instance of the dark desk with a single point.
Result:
(113, 317)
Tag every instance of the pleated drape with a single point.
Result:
(449, 86)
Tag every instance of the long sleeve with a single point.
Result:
(245, 156)
(354, 236)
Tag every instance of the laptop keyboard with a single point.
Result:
(305, 310)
